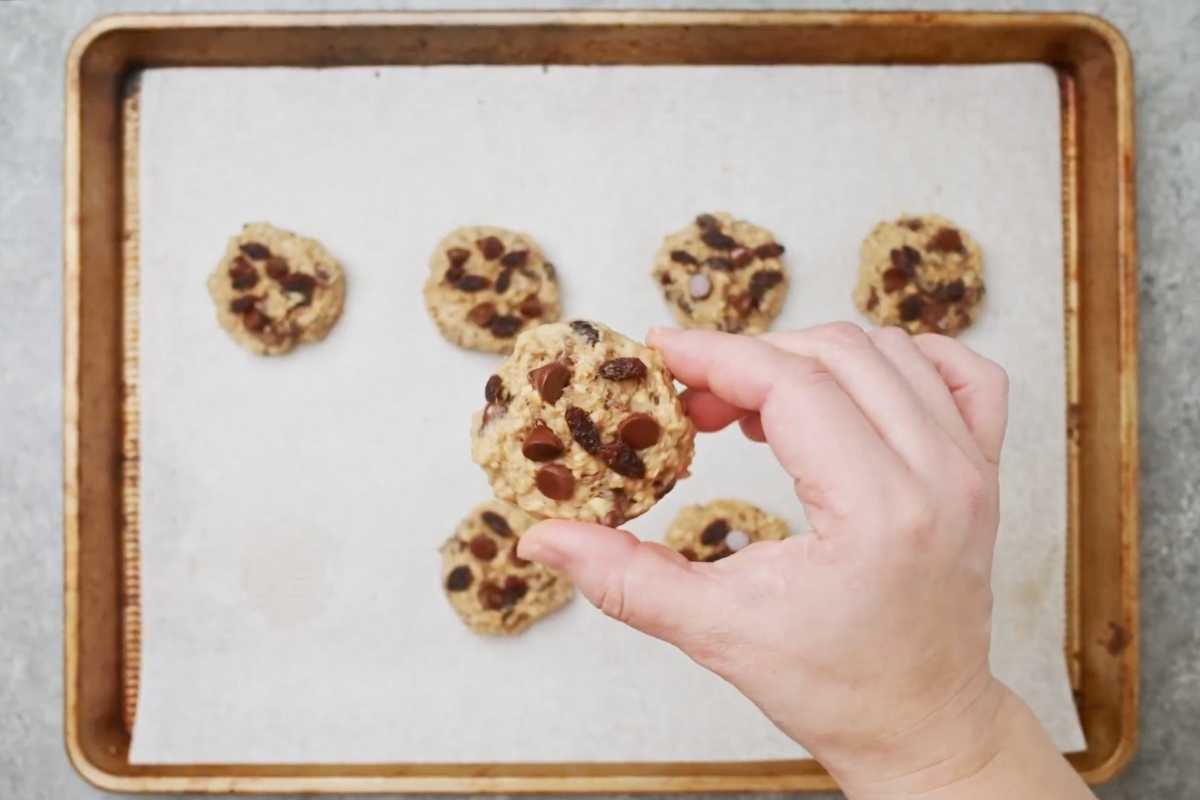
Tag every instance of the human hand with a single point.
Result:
(866, 640)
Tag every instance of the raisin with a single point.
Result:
(530, 308)
(623, 460)
(688, 553)
(497, 523)
(717, 240)
(769, 250)
(255, 250)
(583, 430)
(482, 314)
(952, 292)
(516, 560)
(719, 262)
(454, 273)
(872, 300)
(706, 221)
(504, 279)
(457, 256)
(741, 257)
(472, 283)
(255, 320)
(515, 588)
(300, 283)
(910, 308)
(277, 268)
(491, 596)
(724, 552)
(946, 240)
(483, 548)
(620, 369)
(491, 247)
(460, 578)
(586, 330)
(933, 313)
(905, 259)
(894, 280)
(762, 282)
(493, 390)
(242, 304)
(911, 224)
(515, 258)
(683, 257)
(242, 274)
(549, 270)
(506, 326)
(714, 532)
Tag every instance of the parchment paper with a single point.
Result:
(291, 508)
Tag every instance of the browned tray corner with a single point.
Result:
(100, 416)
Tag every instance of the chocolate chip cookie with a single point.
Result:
(486, 285)
(922, 273)
(582, 423)
(274, 289)
(720, 528)
(491, 588)
(722, 274)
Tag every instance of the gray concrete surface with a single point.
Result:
(34, 36)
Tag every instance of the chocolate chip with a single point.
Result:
(550, 380)
(515, 258)
(497, 523)
(277, 268)
(555, 481)
(912, 224)
(718, 262)
(472, 283)
(241, 304)
(504, 279)
(491, 596)
(516, 560)
(699, 286)
(300, 283)
(255, 320)
(665, 279)
(910, 308)
(933, 313)
(769, 250)
(683, 257)
(482, 314)
(717, 240)
(506, 326)
(457, 256)
(905, 259)
(622, 460)
(872, 300)
(762, 282)
(255, 250)
(946, 240)
(491, 247)
(586, 330)
(542, 444)
(454, 273)
(493, 390)
(460, 578)
(530, 307)
(583, 430)
(515, 588)
(705, 221)
(688, 553)
(242, 274)
(639, 431)
(952, 292)
(715, 532)
(894, 280)
(741, 256)
(621, 369)
(483, 547)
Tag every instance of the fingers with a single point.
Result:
(978, 386)
(642, 584)
(875, 386)
(751, 425)
(898, 348)
(710, 413)
(814, 429)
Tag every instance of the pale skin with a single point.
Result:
(867, 639)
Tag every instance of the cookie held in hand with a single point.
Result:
(582, 423)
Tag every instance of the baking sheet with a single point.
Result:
(291, 508)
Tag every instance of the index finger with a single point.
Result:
(817, 433)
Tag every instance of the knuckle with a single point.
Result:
(890, 334)
(612, 597)
(842, 334)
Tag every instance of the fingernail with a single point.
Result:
(539, 546)
(659, 334)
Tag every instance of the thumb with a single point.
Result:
(645, 585)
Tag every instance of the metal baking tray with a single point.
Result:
(100, 410)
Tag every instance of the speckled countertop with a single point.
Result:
(34, 36)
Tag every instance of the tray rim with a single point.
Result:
(98, 775)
